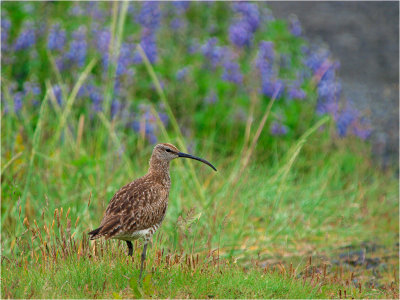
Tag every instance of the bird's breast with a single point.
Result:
(144, 234)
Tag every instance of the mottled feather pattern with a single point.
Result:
(139, 205)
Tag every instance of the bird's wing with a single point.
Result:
(136, 206)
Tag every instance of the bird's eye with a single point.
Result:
(168, 150)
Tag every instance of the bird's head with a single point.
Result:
(167, 152)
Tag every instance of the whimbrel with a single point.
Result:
(138, 208)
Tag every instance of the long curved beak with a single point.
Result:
(181, 154)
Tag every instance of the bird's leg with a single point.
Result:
(130, 248)
(143, 258)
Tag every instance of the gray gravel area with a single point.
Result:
(364, 37)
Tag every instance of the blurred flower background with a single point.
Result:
(228, 51)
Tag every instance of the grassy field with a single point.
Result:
(298, 213)
(110, 274)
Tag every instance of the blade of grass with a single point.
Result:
(35, 146)
(243, 163)
(58, 74)
(115, 45)
(10, 162)
(117, 142)
(174, 122)
(245, 160)
(111, 58)
(58, 110)
(72, 97)
(53, 99)
(291, 158)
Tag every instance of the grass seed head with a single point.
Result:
(77, 220)
(26, 222)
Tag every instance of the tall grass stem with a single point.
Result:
(171, 116)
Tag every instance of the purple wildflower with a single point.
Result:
(294, 25)
(240, 34)
(78, 47)
(124, 59)
(361, 128)
(77, 9)
(57, 37)
(349, 120)
(60, 63)
(96, 96)
(164, 118)
(32, 87)
(329, 90)
(26, 38)
(272, 86)
(103, 42)
(93, 10)
(213, 52)
(328, 87)
(152, 138)
(181, 6)
(58, 94)
(149, 15)
(148, 43)
(249, 13)
(232, 72)
(36, 89)
(18, 101)
(147, 123)
(243, 27)
(181, 73)
(131, 8)
(82, 92)
(115, 107)
(5, 27)
(346, 117)
(331, 107)
(265, 57)
(143, 126)
(278, 129)
(315, 59)
(295, 92)
(117, 86)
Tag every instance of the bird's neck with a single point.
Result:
(160, 170)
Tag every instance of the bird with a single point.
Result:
(137, 209)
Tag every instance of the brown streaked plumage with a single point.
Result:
(138, 208)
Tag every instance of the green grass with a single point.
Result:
(104, 271)
(113, 277)
(330, 199)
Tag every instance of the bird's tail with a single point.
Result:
(94, 233)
